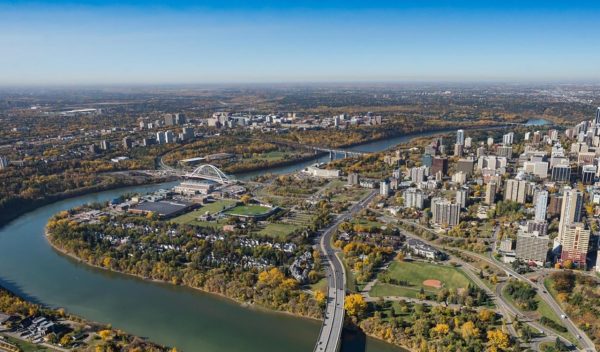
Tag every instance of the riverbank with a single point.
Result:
(421, 132)
(11, 212)
(22, 311)
(244, 304)
(278, 164)
(29, 265)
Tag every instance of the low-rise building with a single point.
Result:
(191, 187)
(422, 249)
(532, 248)
(316, 171)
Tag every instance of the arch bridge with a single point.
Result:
(210, 172)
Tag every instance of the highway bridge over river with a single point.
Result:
(330, 335)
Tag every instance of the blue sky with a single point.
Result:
(155, 42)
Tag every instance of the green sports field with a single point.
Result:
(414, 273)
(191, 218)
(248, 210)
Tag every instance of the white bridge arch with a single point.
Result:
(210, 172)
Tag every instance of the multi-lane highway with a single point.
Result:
(331, 331)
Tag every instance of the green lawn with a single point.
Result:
(397, 309)
(212, 208)
(27, 346)
(278, 230)
(543, 309)
(366, 222)
(320, 285)
(415, 273)
(250, 210)
(382, 289)
(272, 156)
(350, 280)
(350, 195)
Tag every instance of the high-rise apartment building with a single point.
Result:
(4, 162)
(575, 243)
(127, 143)
(445, 213)
(160, 138)
(516, 191)
(561, 173)
(439, 165)
(460, 137)
(169, 137)
(413, 198)
(461, 197)
(384, 188)
(352, 179)
(541, 205)
(508, 138)
(570, 211)
(418, 174)
(490, 193)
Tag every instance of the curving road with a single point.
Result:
(331, 331)
(585, 342)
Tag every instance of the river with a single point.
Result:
(167, 314)
(370, 147)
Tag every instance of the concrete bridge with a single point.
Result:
(333, 152)
(333, 323)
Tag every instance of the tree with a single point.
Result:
(271, 277)
(564, 281)
(468, 330)
(497, 340)
(65, 340)
(355, 304)
(246, 198)
(104, 334)
(486, 315)
(320, 297)
(441, 329)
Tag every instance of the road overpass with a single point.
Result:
(331, 331)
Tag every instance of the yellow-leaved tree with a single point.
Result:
(497, 341)
(272, 277)
(468, 330)
(320, 297)
(441, 329)
(355, 304)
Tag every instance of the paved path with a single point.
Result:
(583, 339)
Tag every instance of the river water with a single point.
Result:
(167, 314)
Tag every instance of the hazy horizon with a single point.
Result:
(100, 43)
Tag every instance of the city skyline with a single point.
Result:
(134, 42)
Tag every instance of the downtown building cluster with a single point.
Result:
(550, 176)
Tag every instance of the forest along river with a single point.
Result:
(171, 315)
